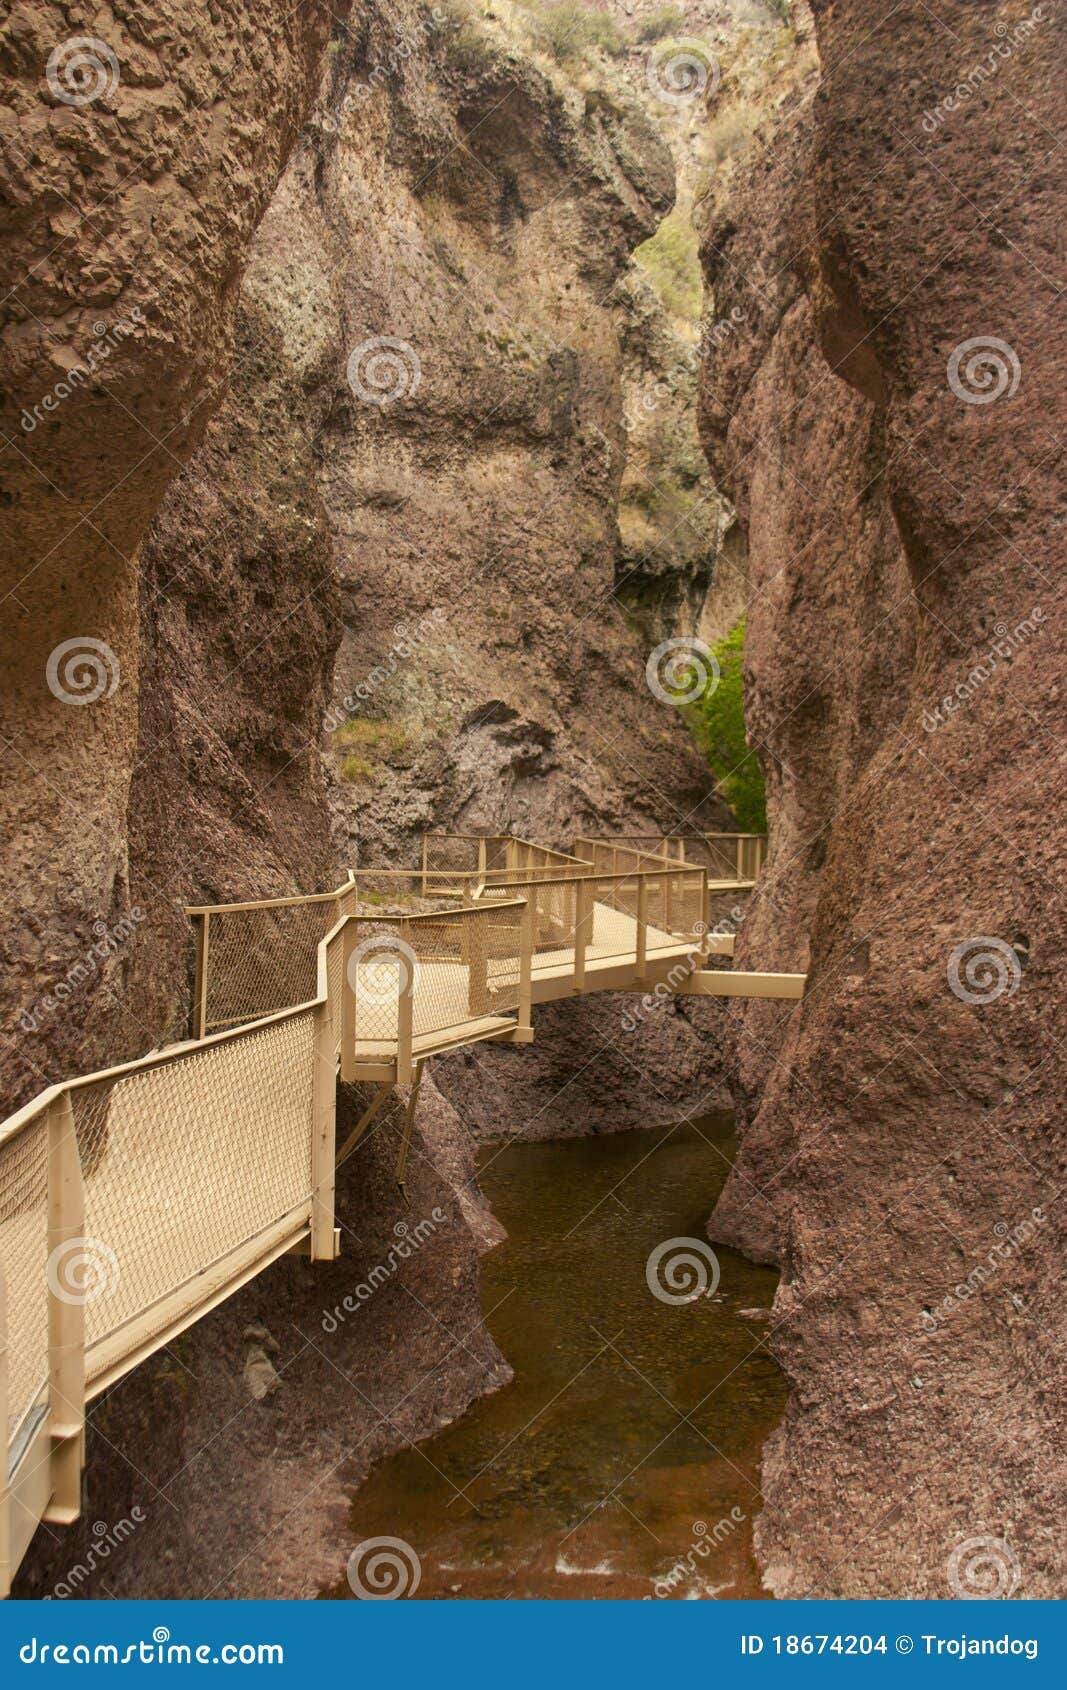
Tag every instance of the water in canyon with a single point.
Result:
(623, 1461)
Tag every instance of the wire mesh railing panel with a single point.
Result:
(24, 1264)
(263, 959)
(186, 1162)
(717, 854)
(553, 907)
(378, 968)
(466, 966)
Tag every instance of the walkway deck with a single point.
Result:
(134, 1200)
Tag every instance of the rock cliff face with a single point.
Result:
(903, 1155)
(135, 169)
(480, 209)
(408, 412)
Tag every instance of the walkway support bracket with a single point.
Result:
(405, 1137)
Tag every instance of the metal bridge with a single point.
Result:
(134, 1200)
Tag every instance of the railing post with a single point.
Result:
(583, 906)
(200, 976)
(477, 959)
(641, 949)
(349, 938)
(66, 1316)
(405, 1017)
(668, 902)
(425, 861)
(739, 858)
(324, 1240)
(526, 944)
(481, 859)
(5, 1489)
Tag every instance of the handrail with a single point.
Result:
(183, 1129)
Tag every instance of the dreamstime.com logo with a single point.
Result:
(984, 369)
(983, 1569)
(81, 70)
(1008, 642)
(406, 641)
(381, 968)
(382, 1569)
(81, 671)
(1009, 1240)
(158, 1650)
(383, 369)
(681, 670)
(983, 969)
(105, 1540)
(683, 70)
(409, 1240)
(82, 1271)
(1010, 39)
(681, 1270)
(705, 1539)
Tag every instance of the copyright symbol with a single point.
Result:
(905, 1645)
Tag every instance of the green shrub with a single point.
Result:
(566, 30)
(366, 743)
(671, 260)
(665, 20)
(717, 721)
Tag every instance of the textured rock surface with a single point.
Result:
(608, 1064)
(482, 207)
(127, 219)
(802, 456)
(914, 1135)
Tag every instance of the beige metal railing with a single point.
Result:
(727, 856)
(133, 1200)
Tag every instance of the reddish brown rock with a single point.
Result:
(802, 458)
(912, 1130)
(135, 170)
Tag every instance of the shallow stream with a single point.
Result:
(624, 1459)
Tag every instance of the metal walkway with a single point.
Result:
(134, 1200)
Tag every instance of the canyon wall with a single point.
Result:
(407, 457)
(135, 169)
(902, 1153)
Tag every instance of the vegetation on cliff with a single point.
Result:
(717, 720)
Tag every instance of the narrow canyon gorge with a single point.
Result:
(450, 359)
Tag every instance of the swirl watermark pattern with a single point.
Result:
(81, 70)
(982, 969)
(983, 1569)
(81, 671)
(82, 1271)
(381, 968)
(681, 670)
(382, 1569)
(682, 1269)
(682, 70)
(383, 369)
(984, 369)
